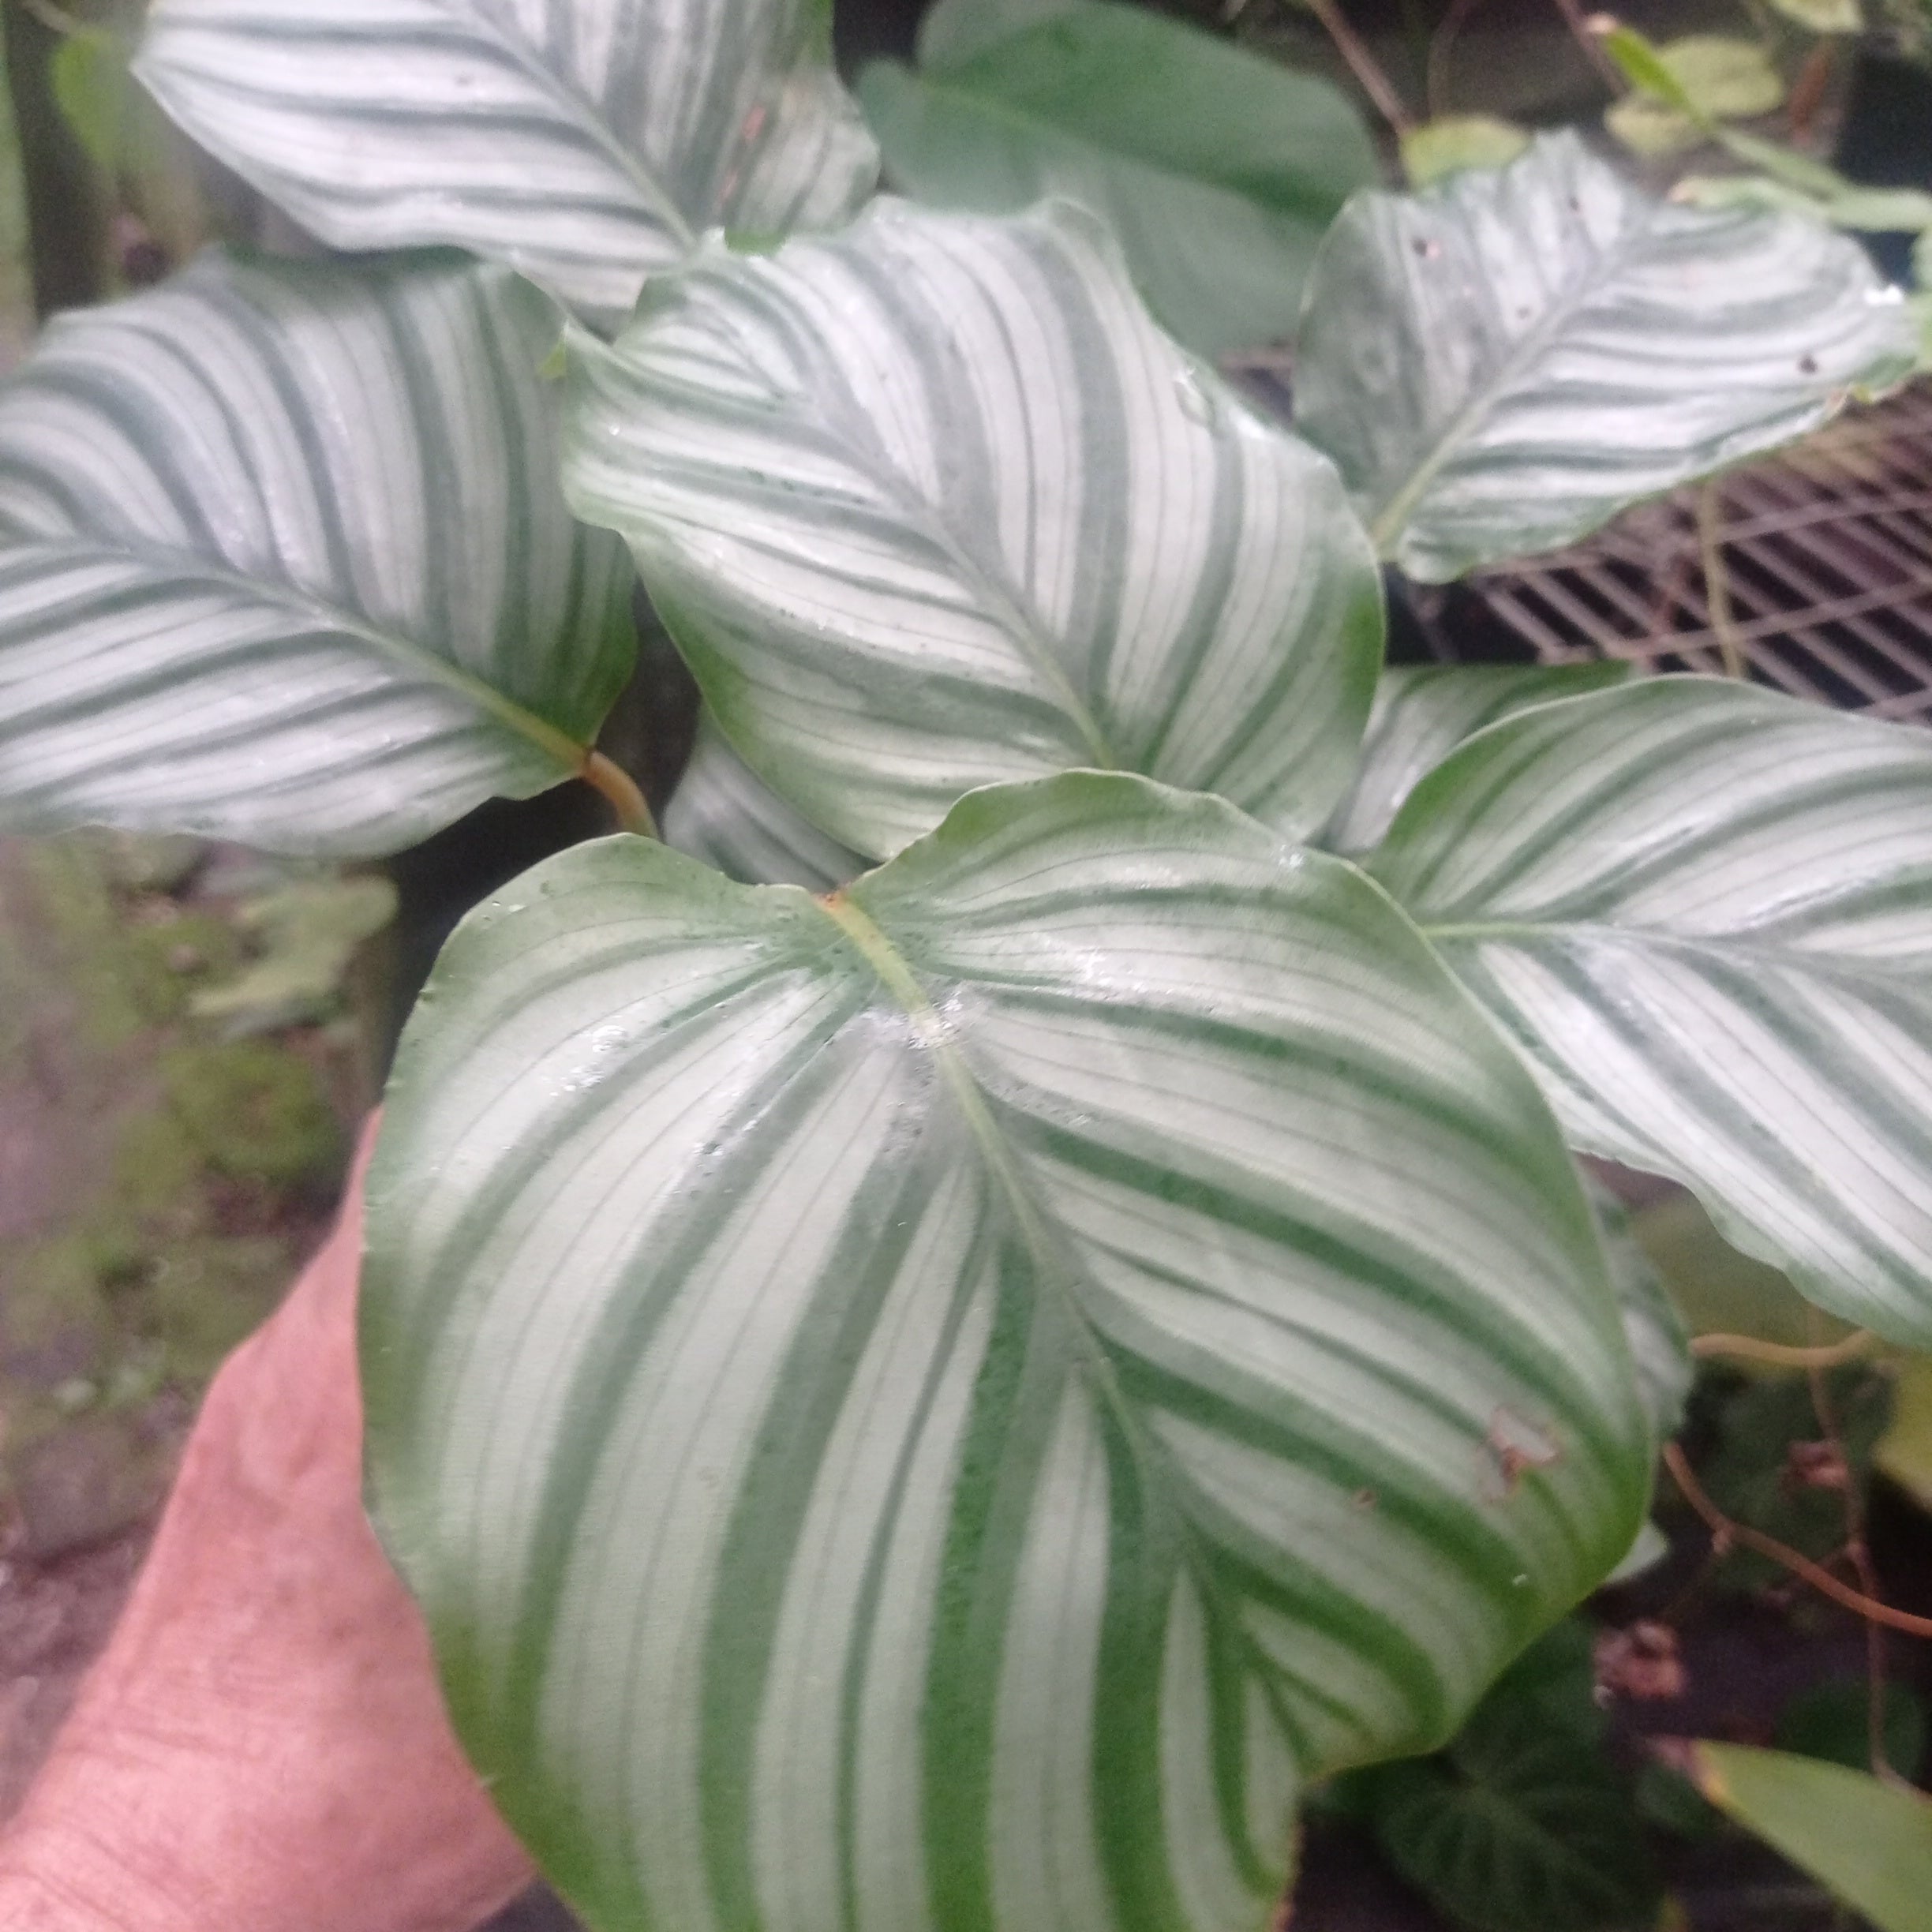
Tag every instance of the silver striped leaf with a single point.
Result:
(283, 559)
(1704, 911)
(1502, 362)
(725, 814)
(1660, 1343)
(932, 505)
(1422, 713)
(586, 142)
(938, 1408)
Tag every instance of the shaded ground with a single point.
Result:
(178, 1074)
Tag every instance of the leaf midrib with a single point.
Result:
(580, 109)
(189, 569)
(1005, 604)
(1157, 1462)
(1391, 522)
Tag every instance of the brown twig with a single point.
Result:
(1435, 83)
(1585, 37)
(1807, 92)
(1782, 1354)
(1859, 1551)
(1717, 579)
(1723, 1529)
(1363, 64)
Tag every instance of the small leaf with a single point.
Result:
(1717, 79)
(1502, 363)
(1869, 1843)
(586, 142)
(723, 814)
(1824, 17)
(944, 1404)
(282, 561)
(1218, 169)
(1422, 713)
(1447, 146)
(931, 504)
(1871, 210)
(1703, 911)
(1519, 1828)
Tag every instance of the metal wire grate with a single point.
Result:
(1811, 572)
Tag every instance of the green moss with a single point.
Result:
(202, 1296)
(54, 1319)
(255, 1111)
(159, 1171)
(121, 974)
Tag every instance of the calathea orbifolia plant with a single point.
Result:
(946, 1403)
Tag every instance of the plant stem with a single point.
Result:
(1435, 88)
(1363, 64)
(1717, 582)
(1858, 1552)
(1782, 1355)
(1585, 36)
(626, 800)
(1821, 1579)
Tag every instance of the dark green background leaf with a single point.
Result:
(1218, 169)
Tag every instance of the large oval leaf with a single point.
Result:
(586, 142)
(1501, 363)
(934, 1408)
(724, 814)
(1704, 911)
(282, 559)
(1422, 713)
(933, 504)
(1218, 169)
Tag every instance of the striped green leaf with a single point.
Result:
(725, 814)
(585, 142)
(282, 559)
(1501, 363)
(1704, 911)
(1217, 168)
(937, 1408)
(933, 504)
(1422, 713)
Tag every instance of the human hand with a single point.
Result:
(262, 1747)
